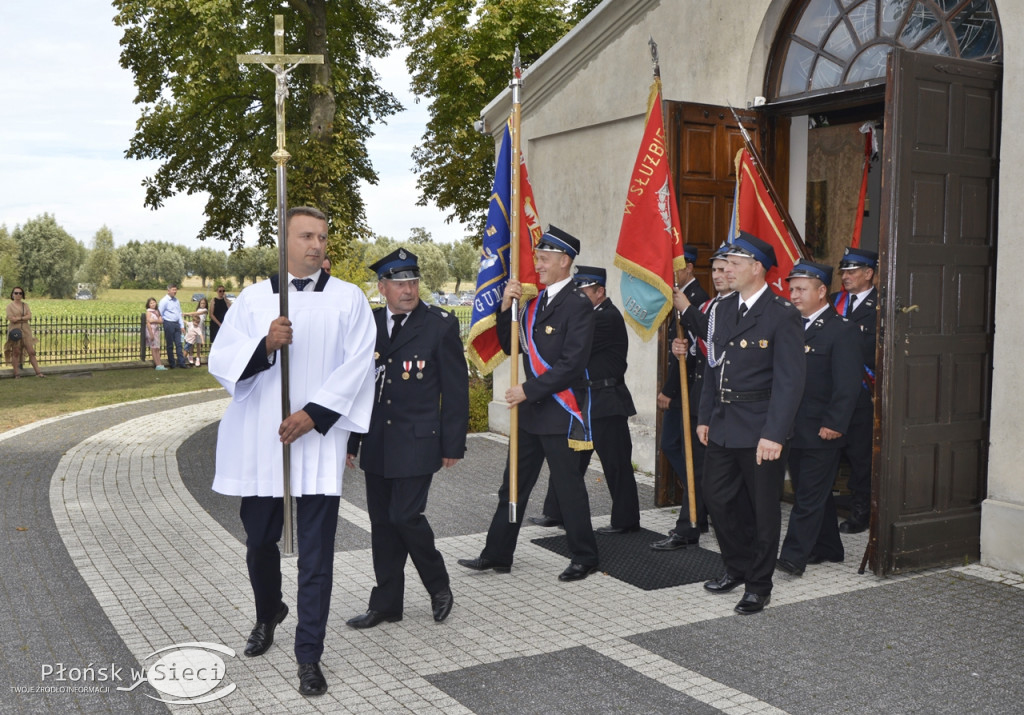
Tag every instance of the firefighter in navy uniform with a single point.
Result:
(610, 407)
(695, 324)
(858, 303)
(752, 388)
(419, 424)
(556, 332)
(832, 347)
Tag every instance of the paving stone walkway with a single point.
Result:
(117, 549)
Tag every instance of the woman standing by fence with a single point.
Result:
(19, 334)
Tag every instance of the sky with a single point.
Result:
(66, 117)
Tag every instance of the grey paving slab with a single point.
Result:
(572, 681)
(946, 642)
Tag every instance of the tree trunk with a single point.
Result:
(322, 104)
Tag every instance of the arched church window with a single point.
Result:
(828, 45)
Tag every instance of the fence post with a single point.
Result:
(142, 338)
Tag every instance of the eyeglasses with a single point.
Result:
(220, 291)
(18, 292)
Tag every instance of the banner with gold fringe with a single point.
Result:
(650, 247)
(495, 258)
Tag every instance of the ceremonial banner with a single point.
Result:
(495, 258)
(650, 245)
(756, 213)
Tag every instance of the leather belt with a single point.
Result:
(606, 382)
(727, 396)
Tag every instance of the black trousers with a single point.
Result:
(743, 500)
(859, 441)
(614, 447)
(316, 523)
(399, 530)
(570, 491)
(673, 447)
(813, 525)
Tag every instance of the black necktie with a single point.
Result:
(543, 301)
(301, 283)
(807, 321)
(743, 311)
(398, 318)
(853, 302)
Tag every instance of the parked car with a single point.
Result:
(197, 296)
(83, 294)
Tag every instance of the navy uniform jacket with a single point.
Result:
(695, 324)
(564, 333)
(416, 421)
(763, 352)
(608, 364)
(865, 318)
(832, 346)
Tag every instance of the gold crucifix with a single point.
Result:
(276, 64)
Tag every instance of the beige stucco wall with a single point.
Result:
(1002, 515)
(583, 110)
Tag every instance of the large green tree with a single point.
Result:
(210, 123)
(463, 261)
(461, 57)
(47, 257)
(209, 263)
(101, 267)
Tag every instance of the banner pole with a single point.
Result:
(514, 220)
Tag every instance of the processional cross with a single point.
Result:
(276, 63)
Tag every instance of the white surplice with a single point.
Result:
(331, 364)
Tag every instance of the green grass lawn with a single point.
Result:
(30, 398)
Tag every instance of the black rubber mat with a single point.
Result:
(630, 558)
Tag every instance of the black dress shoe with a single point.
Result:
(675, 541)
(853, 527)
(817, 559)
(616, 530)
(482, 564)
(262, 636)
(790, 567)
(576, 572)
(751, 603)
(722, 584)
(311, 680)
(372, 618)
(442, 603)
(545, 521)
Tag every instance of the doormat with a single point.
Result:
(630, 558)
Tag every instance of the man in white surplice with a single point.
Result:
(331, 334)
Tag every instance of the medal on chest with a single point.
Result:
(406, 367)
(420, 364)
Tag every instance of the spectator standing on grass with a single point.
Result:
(220, 310)
(170, 311)
(153, 322)
(19, 334)
(202, 311)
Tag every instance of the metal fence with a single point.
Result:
(80, 339)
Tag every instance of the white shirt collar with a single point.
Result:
(309, 287)
(555, 287)
(753, 299)
(808, 320)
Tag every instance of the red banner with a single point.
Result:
(758, 214)
(650, 245)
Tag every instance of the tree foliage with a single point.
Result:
(152, 264)
(47, 257)
(460, 58)
(211, 123)
(8, 261)
(101, 267)
(463, 261)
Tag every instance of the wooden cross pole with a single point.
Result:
(276, 63)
